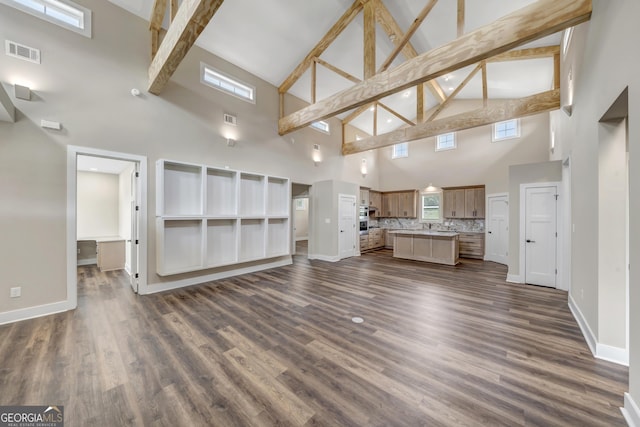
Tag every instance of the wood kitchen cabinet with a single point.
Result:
(399, 204)
(375, 199)
(474, 203)
(389, 205)
(466, 202)
(472, 245)
(364, 197)
(453, 206)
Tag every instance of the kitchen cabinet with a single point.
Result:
(453, 203)
(472, 245)
(388, 239)
(110, 254)
(399, 204)
(422, 245)
(373, 240)
(364, 196)
(364, 242)
(465, 203)
(474, 202)
(375, 199)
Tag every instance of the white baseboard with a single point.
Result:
(612, 354)
(588, 334)
(324, 257)
(33, 312)
(298, 239)
(515, 278)
(166, 286)
(88, 261)
(631, 411)
(127, 269)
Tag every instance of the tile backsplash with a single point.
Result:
(413, 223)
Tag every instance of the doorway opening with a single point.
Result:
(106, 214)
(497, 246)
(300, 234)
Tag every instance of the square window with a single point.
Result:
(446, 141)
(400, 150)
(321, 125)
(506, 130)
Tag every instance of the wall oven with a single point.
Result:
(364, 219)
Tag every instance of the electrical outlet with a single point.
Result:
(15, 292)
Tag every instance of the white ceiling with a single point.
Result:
(269, 38)
(101, 165)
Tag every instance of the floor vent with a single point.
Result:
(21, 51)
(230, 120)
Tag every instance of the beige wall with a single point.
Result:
(98, 204)
(603, 64)
(477, 160)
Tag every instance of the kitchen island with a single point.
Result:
(439, 247)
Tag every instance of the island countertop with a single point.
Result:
(427, 245)
(426, 232)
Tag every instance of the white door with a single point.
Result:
(347, 226)
(497, 249)
(540, 235)
(135, 238)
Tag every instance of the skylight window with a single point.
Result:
(218, 80)
(63, 13)
(321, 125)
(446, 141)
(506, 130)
(400, 150)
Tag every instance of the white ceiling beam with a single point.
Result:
(535, 21)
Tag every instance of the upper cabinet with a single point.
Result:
(375, 199)
(464, 202)
(398, 204)
(364, 196)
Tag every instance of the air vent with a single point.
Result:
(21, 51)
(316, 147)
(230, 120)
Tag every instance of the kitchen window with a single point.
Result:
(431, 207)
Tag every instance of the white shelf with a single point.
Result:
(180, 246)
(212, 217)
(222, 242)
(252, 237)
(278, 241)
(182, 189)
(278, 196)
(222, 188)
(252, 195)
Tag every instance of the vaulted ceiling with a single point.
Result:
(270, 38)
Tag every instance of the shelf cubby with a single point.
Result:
(222, 242)
(182, 189)
(278, 197)
(252, 237)
(252, 195)
(278, 241)
(181, 245)
(221, 192)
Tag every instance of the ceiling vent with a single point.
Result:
(230, 120)
(21, 51)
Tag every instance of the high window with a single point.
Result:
(225, 83)
(64, 13)
(506, 130)
(446, 141)
(400, 150)
(321, 125)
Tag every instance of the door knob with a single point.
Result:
(489, 232)
(530, 241)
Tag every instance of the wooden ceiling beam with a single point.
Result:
(338, 71)
(531, 53)
(192, 17)
(497, 111)
(395, 113)
(369, 36)
(157, 14)
(485, 90)
(540, 19)
(460, 18)
(322, 45)
(395, 33)
(453, 94)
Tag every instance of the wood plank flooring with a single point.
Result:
(439, 346)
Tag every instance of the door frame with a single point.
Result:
(354, 250)
(559, 229)
(72, 154)
(486, 228)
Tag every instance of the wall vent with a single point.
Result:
(230, 120)
(21, 51)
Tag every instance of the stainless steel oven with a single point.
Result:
(364, 219)
(364, 227)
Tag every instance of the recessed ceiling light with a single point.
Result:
(407, 94)
(372, 108)
(93, 169)
(447, 78)
(451, 88)
(389, 120)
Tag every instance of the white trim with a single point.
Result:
(88, 261)
(612, 354)
(85, 30)
(587, 333)
(167, 286)
(33, 312)
(72, 153)
(515, 278)
(455, 142)
(486, 228)
(631, 411)
(494, 138)
(324, 257)
(559, 229)
(234, 81)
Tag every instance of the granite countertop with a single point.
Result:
(426, 232)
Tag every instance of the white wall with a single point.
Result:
(97, 209)
(603, 65)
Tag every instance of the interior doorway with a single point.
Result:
(497, 247)
(118, 234)
(347, 225)
(300, 208)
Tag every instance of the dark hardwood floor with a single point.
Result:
(439, 345)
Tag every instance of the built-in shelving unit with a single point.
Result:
(208, 217)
